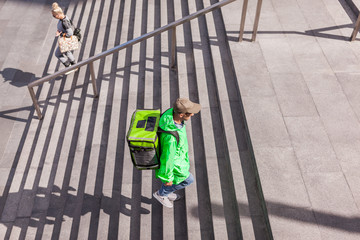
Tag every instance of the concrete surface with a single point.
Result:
(295, 83)
(274, 150)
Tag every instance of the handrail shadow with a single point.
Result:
(319, 32)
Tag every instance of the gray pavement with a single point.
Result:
(299, 84)
(274, 150)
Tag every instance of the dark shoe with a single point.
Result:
(73, 62)
(66, 64)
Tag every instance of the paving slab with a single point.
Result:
(311, 144)
(286, 188)
(278, 56)
(322, 83)
(293, 95)
(272, 132)
(349, 82)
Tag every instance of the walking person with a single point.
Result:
(64, 29)
(174, 160)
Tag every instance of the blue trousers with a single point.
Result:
(166, 190)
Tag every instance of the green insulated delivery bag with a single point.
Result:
(142, 138)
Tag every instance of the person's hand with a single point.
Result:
(57, 33)
(168, 184)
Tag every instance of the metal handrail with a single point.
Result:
(172, 26)
(356, 29)
(256, 22)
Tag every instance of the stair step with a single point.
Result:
(75, 179)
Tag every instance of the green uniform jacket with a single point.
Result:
(174, 159)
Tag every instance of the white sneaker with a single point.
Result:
(163, 200)
(173, 196)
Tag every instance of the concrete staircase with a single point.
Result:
(71, 176)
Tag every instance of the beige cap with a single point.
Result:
(184, 105)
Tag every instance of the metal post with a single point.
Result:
(256, 23)
(173, 46)
(356, 29)
(93, 79)
(35, 102)
(243, 17)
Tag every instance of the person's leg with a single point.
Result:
(166, 194)
(166, 190)
(63, 59)
(71, 57)
(186, 182)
